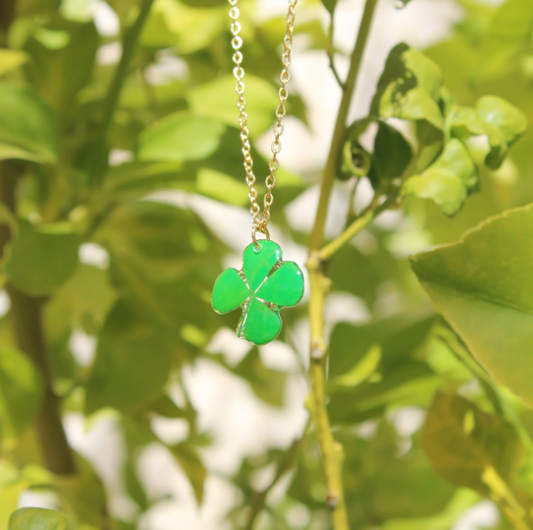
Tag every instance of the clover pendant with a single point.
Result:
(263, 286)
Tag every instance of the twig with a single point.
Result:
(26, 323)
(331, 52)
(317, 235)
(259, 497)
(360, 222)
(129, 43)
(332, 454)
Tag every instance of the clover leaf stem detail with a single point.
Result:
(332, 454)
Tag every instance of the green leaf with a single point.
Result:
(360, 372)
(20, 395)
(430, 144)
(136, 179)
(502, 124)
(28, 128)
(37, 7)
(43, 257)
(482, 286)
(392, 154)
(62, 46)
(37, 519)
(221, 187)
(132, 363)
(188, 459)
(204, 3)
(460, 502)
(11, 60)
(11, 488)
(477, 450)
(506, 117)
(217, 99)
(180, 137)
(448, 181)
(509, 33)
(356, 160)
(84, 495)
(330, 5)
(189, 29)
(466, 123)
(363, 385)
(409, 88)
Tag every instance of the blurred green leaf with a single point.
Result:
(330, 5)
(222, 187)
(180, 137)
(188, 459)
(398, 379)
(11, 60)
(192, 28)
(509, 32)
(11, 488)
(83, 301)
(447, 181)
(482, 286)
(471, 448)
(217, 99)
(42, 258)
(204, 3)
(132, 363)
(62, 46)
(28, 128)
(37, 519)
(83, 497)
(409, 88)
(20, 395)
(462, 500)
(360, 372)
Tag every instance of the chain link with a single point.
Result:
(260, 219)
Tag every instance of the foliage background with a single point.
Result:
(124, 207)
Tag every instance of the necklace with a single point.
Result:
(266, 283)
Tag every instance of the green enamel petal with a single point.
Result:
(285, 287)
(229, 292)
(259, 324)
(258, 263)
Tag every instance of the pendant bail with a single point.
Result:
(262, 229)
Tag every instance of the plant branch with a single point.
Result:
(317, 235)
(7, 11)
(258, 501)
(129, 43)
(331, 52)
(332, 453)
(26, 323)
(360, 222)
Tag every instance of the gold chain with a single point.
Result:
(260, 219)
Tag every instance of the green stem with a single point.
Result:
(27, 328)
(26, 319)
(258, 501)
(358, 224)
(317, 235)
(331, 52)
(7, 11)
(332, 454)
(129, 43)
